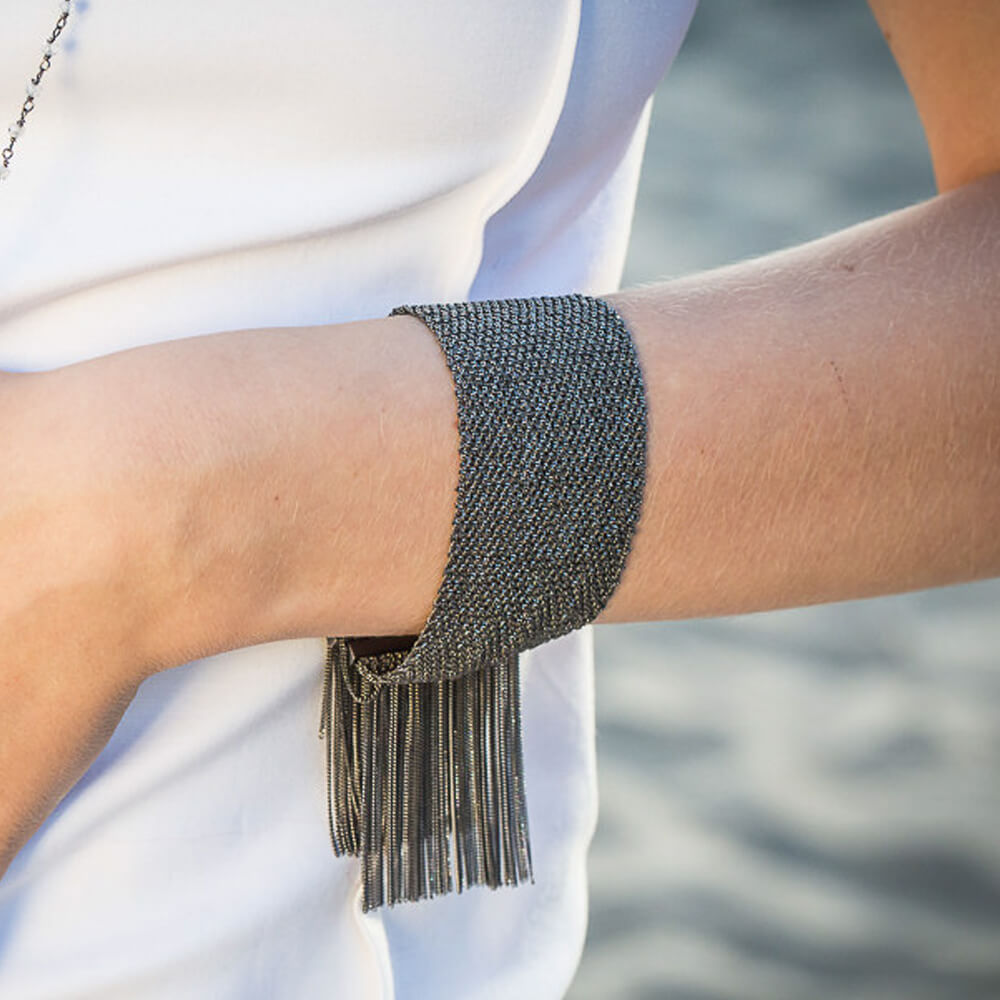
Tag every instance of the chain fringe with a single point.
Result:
(425, 781)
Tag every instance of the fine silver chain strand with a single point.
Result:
(15, 130)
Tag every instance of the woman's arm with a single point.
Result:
(824, 424)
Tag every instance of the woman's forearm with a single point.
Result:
(824, 423)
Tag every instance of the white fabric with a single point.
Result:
(193, 167)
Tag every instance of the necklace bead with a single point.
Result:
(14, 131)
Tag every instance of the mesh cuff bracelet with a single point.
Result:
(425, 777)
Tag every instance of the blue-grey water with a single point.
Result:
(800, 804)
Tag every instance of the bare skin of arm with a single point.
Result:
(824, 424)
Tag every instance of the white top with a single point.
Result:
(193, 167)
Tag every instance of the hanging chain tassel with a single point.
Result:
(425, 780)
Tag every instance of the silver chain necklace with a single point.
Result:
(15, 130)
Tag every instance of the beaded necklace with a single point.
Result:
(15, 130)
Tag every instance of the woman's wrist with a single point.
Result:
(68, 593)
(276, 483)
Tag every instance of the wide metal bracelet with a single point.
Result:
(424, 748)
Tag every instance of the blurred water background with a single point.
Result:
(800, 804)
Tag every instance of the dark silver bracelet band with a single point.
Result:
(424, 748)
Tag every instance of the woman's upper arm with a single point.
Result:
(949, 55)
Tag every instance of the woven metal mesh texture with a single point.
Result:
(552, 441)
